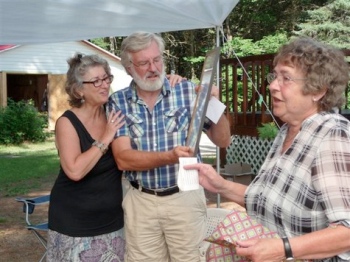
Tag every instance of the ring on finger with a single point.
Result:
(112, 121)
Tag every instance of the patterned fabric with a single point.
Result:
(307, 187)
(237, 225)
(106, 248)
(161, 129)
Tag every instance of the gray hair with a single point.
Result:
(137, 42)
(79, 64)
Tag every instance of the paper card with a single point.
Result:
(215, 109)
(187, 179)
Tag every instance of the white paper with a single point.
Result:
(215, 109)
(187, 179)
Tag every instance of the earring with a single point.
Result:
(314, 99)
(82, 100)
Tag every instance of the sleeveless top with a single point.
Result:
(93, 205)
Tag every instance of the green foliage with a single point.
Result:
(101, 42)
(329, 23)
(194, 60)
(21, 121)
(252, 19)
(26, 167)
(239, 47)
(271, 43)
(245, 47)
(209, 160)
(268, 130)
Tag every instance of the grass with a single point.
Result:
(209, 160)
(26, 167)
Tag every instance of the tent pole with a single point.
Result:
(217, 29)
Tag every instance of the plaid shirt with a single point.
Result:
(162, 129)
(307, 187)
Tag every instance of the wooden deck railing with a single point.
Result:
(243, 88)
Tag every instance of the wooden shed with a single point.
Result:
(38, 72)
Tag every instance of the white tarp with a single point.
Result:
(49, 21)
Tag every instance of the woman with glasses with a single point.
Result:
(302, 190)
(85, 213)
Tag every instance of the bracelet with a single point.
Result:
(287, 249)
(101, 146)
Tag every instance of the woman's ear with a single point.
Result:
(78, 94)
(318, 97)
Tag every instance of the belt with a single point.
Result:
(166, 192)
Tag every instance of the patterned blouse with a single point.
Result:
(307, 187)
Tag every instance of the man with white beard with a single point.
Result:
(161, 223)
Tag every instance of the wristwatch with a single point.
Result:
(287, 249)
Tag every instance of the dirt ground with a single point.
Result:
(17, 244)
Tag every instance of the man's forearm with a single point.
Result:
(135, 160)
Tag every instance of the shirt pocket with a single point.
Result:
(135, 125)
(176, 120)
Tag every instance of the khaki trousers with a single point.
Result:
(167, 228)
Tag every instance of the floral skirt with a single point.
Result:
(103, 248)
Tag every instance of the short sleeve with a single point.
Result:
(331, 175)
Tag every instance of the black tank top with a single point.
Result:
(93, 205)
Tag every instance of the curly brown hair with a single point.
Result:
(324, 67)
(79, 64)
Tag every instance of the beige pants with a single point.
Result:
(159, 228)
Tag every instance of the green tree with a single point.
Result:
(254, 19)
(240, 47)
(101, 42)
(330, 23)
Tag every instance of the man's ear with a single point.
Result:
(128, 70)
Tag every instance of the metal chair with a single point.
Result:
(214, 217)
(29, 205)
(238, 172)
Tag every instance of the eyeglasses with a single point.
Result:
(282, 79)
(99, 82)
(146, 64)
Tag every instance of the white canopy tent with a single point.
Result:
(52, 21)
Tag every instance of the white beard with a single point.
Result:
(145, 84)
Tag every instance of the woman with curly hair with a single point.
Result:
(302, 190)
